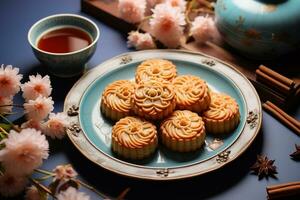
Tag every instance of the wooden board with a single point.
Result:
(289, 66)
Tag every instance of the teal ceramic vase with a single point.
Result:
(260, 29)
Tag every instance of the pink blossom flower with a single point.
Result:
(64, 172)
(56, 126)
(39, 108)
(132, 11)
(37, 85)
(72, 194)
(166, 24)
(32, 124)
(11, 185)
(204, 29)
(6, 101)
(140, 40)
(24, 151)
(177, 3)
(33, 193)
(9, 80)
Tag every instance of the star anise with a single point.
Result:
(296, 154)
(264, 167)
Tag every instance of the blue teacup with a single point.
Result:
(64, 64)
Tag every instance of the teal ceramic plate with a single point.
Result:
(91, 132)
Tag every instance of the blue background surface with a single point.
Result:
(234, 181)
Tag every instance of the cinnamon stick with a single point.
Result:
(284, 114)
(283, 190)
(290, 83)
(281, 118)
(272, 82)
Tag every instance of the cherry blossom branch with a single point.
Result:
(123, 194)
(90, 188)
(203, 10)
(44, 172)
(3, 135)
(42, 187)
(10, 123)
(188, 10)
(44, 178)
(14, 105)
(206, 3)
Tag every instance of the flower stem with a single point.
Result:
(10, 123)
(143, 21)
(41, 171)
(188, 10)
(203, 10)
(42, 187)
(123, 194)
(3, 131)
(44, 177)
(91, 188)
(14, 105)
(206, 3)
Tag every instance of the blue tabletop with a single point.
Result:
(234, 181)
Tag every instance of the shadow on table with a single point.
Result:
(203, 186)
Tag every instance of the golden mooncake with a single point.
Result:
(191, 93)
(155, 69)
(153, 100)
(134, 138)
(116, 99)
(222, 115)
(183, 131)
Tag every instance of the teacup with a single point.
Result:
(65, 64)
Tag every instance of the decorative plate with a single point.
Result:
(90, 132)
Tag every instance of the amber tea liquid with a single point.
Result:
(64, 40)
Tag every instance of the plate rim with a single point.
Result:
(164, 172)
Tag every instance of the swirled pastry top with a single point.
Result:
(183, 124)
(189, 89)
(155, 69)
(133, 132)
(117, 95)
(222, 107)
(153, 97)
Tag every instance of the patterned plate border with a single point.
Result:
(250, 131)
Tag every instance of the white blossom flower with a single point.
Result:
(64, 172)
(9, 80)
(33, 193)
(140, 40)
(24, 151)
(36, 86)
(11, 185)
(204, 29)
(56, 126)
(32, 124)
(167, 24)
(39, 108)
(4, 101)
(72, 194)
(132, 11)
